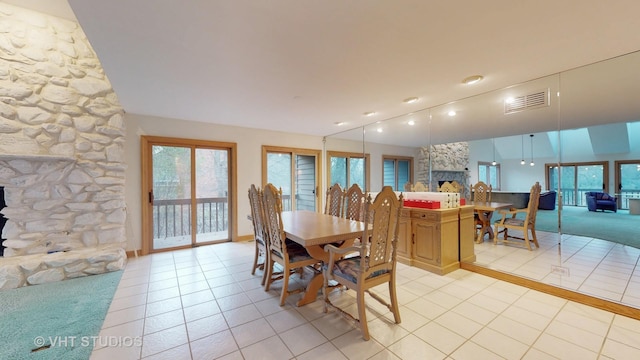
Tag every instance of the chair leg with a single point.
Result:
(255, 261)
(535, 238)
(269, 271)
(264, 265)
(362, 315)
(526, 239)
(325, 291)
(394, 300)
(285, 285)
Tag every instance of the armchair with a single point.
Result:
(598, 200)
(547, 200)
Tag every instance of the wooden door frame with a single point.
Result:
(294, 151)
(147, 182)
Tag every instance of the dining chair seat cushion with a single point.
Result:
(348, 268)
(514, 221)
(296, 252)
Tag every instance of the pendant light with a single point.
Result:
(522, 161)
(493, 142)
(532, 163)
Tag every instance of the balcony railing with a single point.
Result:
(172, 218)
(577, 198)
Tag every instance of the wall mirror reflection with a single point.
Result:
(575, 133)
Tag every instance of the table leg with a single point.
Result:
(315, 284)
(485, 218)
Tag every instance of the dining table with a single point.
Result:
(314, 230)
(485, 210)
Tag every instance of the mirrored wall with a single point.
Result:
(574, 132)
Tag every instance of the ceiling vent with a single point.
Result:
(527, 102)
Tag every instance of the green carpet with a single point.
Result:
(617, 227)
(71, 310)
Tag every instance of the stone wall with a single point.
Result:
(448, 162)
(61, 154)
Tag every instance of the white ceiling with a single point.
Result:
(300, 66)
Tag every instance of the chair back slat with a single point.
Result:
(481, 192)
(384, 216)
(532, 207)
(272, 198)
(257, 214)
(354, 207)
(449, 187)
(334, 201)
(408, 187)
(419, 186)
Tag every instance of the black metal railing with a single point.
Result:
(173, 217)
(577, 198)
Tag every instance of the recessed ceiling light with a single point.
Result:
(411, 122)
(369, 113)
(379, 130)
(410, 100)
(451, 113)
(472, 79)
(338, 123)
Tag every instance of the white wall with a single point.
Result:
(249, 164)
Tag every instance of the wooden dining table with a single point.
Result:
(485, 211)
(314, 230)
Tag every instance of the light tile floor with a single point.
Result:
(203, 303)
(590, 266)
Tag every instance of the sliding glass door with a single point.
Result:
(577, 179)
(188, 188)
(295, 171)
(627, 181)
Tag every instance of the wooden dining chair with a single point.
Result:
(408, 187)
(334, 201)
(259, 232)
(371, 263)
(526, 223)
(419, 186)
(354, 203)
(288, 254)
(481, 192)
(448, 187)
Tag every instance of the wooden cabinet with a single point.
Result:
(431, 240)
(467, 235)
(404, 236)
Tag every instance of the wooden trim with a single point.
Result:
(243, 238)
(146, 186)
(584, 299)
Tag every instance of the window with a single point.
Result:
(347, 169)
(489, 174)
(296, 172)
(396, 171)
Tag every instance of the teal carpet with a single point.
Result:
(56, 311)
(617, 227)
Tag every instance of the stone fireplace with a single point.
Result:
(61, 154)
(445, 162)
